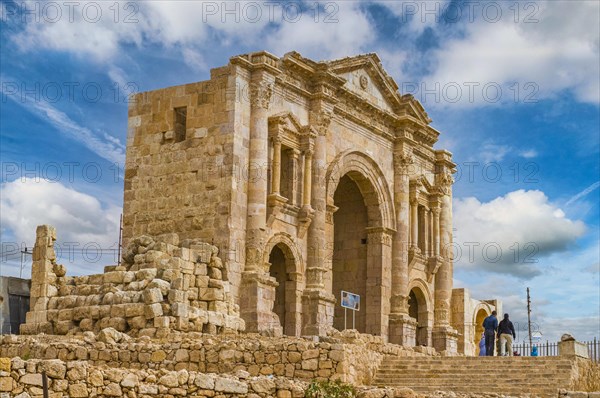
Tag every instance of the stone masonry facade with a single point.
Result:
(311, 178)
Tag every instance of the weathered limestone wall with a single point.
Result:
(184, 186)
(586, 376)
(349, 357)
(159, 287)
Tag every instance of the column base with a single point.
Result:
(445, 340)
(317, 312)
(257, 294)
(403, 330)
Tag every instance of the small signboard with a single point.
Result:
(350, 301)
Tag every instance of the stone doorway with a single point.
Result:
(418, 310)
(286, 303)
(350, 252)
(479, 317)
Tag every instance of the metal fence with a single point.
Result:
(549, 349)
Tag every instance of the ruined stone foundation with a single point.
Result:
(162, 285)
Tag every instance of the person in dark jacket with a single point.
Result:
(490, 326)
(506, 331)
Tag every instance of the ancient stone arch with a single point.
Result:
(361, 259)
(481, 311)
(371, 181)
(286, 266)
(422, 310)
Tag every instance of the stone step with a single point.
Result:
(542, 393)
(508, 381)
(473, 369)
(472, 387)
(542, 376)
(525, 379)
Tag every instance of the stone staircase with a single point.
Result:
(538, 376)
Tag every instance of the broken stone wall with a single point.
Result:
(162, 285)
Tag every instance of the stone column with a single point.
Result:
(402, 328)
(443, 278)
(379, 271)
(318, 303)
(43, 282)
(261, 91)
(307, 184)
(436, 231)
(257, 290)
(430, 236)
(276, 174)
(414, 219)
(426, 232)
(294, 154)
(444, 336)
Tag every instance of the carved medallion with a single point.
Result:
(364, 82)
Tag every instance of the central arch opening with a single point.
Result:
(350, 251)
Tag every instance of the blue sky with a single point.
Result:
(512, 86)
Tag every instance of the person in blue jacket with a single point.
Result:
(490, 325)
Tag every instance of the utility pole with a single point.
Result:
(23, 253)
(529, 319)
(120, 237)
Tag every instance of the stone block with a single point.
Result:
(4, 364)
(153, 310)
(115, 277)
(78, 390)
(177, 296)
(161, 322)
(225, 385)
(31, 379)
(572, 348)
(134, 309)
(152, 295)
(179, 309)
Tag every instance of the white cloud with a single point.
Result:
(77, 217)
(491, 152)
(510, 234)
(348, 33)
(100, 29)
(559, 52)
(529, 153)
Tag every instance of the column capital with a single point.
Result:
(444, 182)
(403, 161)
(320, 120)
(293, 153)
(260, 94)
(276, 138)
